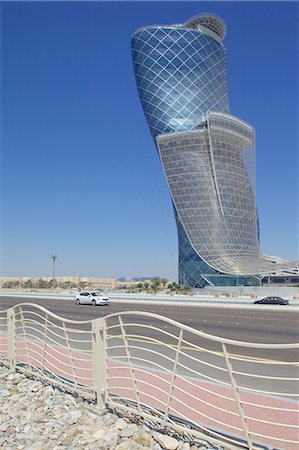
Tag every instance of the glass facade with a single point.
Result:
(180, 74)
(207, 154)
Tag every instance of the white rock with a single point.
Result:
(165, 441)
(34, 389)
(143, 437)
(110, 438)
(128, 431)
(99, 434)
(17, 378)
(127, 445)
(48, 391)
(12, 414)
(5, 393)
(186, 446)
(26, 436)
(4, 426)
(73, 416)
(120, 424)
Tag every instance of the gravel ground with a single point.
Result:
(35, 416)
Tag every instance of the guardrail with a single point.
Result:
(239, 394)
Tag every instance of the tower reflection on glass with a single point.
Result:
(208, 155)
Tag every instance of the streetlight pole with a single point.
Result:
(54, 257)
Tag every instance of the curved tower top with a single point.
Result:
(207, 22)
(180, 72)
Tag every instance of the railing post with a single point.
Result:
(237, 397)
(174, 373)
(99, 361)
(11, 339)
(129, 359)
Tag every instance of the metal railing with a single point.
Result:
(240, 394)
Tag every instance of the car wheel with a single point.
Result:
(78, 301)
(93, 302)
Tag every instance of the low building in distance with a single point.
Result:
(75, 281)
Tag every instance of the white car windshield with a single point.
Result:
(95, 294)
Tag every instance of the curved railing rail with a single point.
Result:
(40, 343)
(240, 394)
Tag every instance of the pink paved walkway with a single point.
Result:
(188, 396)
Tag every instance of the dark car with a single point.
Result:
(272, 301)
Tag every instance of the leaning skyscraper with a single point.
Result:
(208, 155)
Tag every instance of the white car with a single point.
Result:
(91, 298)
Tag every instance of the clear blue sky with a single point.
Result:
(81, 176)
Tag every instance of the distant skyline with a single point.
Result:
(75, 180)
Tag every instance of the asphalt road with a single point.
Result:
(243, 323)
